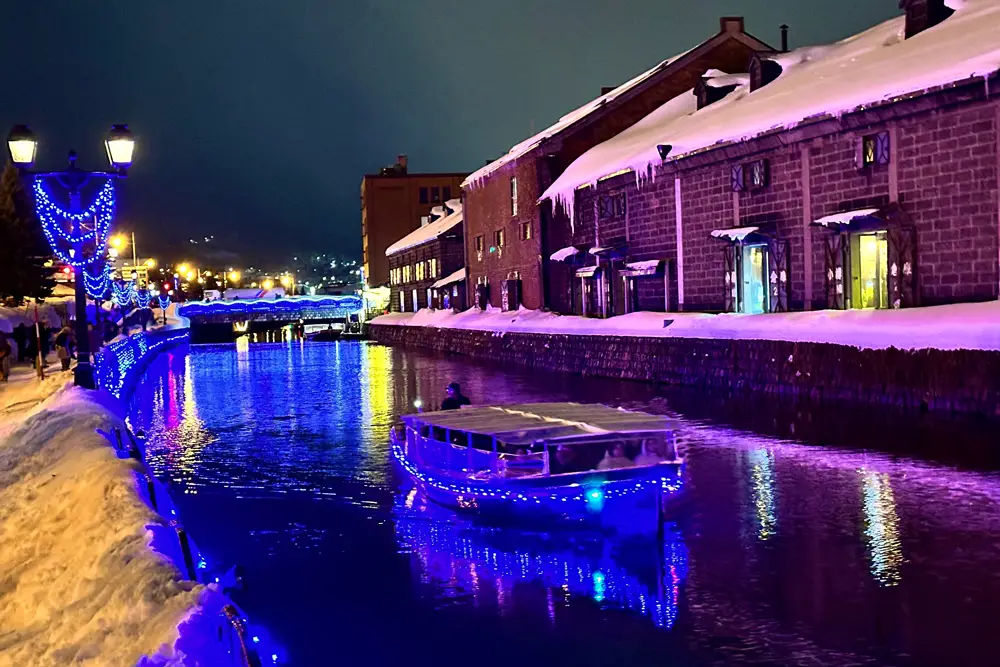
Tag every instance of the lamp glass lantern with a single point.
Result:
(120, 144)
(22, 145)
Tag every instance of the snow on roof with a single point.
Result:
(438, 211)
(846, 217)
(426, 233)
(455, 277)
(644, 265)
(578, 114)
(864, 69)
(563, 254)
(526, 422)
(734, 234)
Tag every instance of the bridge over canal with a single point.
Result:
(222, 321)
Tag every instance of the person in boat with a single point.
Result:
(615, 458)
(455, 398)
(653, 452)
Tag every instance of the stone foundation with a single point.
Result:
(957, 381)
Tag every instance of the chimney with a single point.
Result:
(606, 89)
(401, 162)
(731, 24)
(784, 38)
(924, 14)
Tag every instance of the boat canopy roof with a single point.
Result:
(531, 422)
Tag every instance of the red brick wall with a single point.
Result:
(782, 201)
(707, 202)
(487, 208)
(948, 185)
(946, 166)
(651, 228)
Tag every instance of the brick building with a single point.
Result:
(509, 238)
(863, 174)
(393, 204)
(427, 266)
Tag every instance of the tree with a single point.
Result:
(23, 247)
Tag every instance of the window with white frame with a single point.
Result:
(513, 195)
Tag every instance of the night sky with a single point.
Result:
(258, 118)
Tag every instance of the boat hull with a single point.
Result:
(625, 500)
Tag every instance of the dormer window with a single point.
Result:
(708, 94)
(924, 14)
(762, 72)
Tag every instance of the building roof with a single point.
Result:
(534, 421)
(429, 232)
(872, 67)
(665, 68)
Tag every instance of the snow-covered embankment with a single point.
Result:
(89, 571)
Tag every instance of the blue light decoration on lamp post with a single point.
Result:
(85, 242)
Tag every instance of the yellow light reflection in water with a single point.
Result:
(190, 436)
(882, 528)
(762, 474)
(376, 404)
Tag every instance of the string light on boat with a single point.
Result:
(142, 298)
(53, 217)
(670, 483)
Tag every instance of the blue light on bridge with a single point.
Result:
(342, 305)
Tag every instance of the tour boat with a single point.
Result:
(569, 460)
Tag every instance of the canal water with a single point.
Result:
(817, 538)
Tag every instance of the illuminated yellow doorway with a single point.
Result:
(870, 269)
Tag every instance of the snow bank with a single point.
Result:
(816, 82)
(77, 579)
(971, 326)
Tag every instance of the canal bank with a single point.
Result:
(95, 563)
(821, 365)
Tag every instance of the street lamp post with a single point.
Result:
(119, 143)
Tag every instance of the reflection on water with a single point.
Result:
(763, 492)
(489, 563)
(882, 527)
(784, 553)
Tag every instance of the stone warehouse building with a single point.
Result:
(863, 174)
(395, 202)
(509, 238)
(427, 266)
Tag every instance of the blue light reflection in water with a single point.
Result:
(278, 455)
